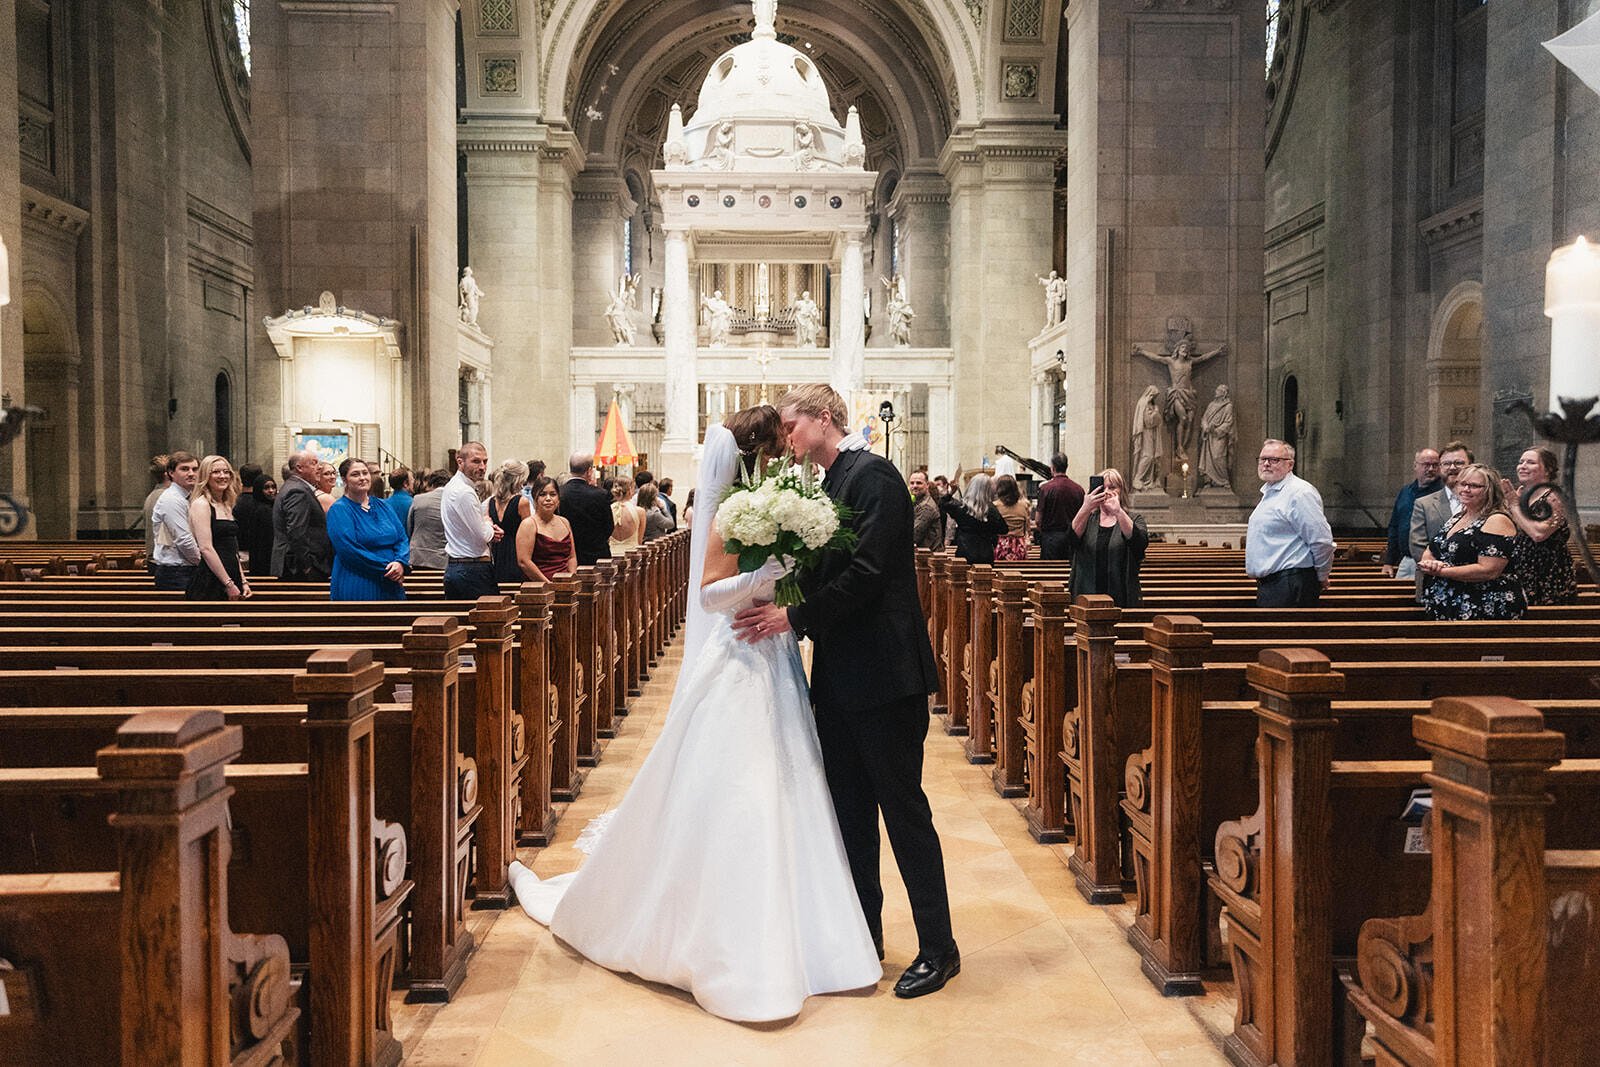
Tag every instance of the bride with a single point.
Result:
(722, 871)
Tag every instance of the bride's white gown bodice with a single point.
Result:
(722, 871)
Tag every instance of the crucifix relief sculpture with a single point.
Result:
(1180, 404)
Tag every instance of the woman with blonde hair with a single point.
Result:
(1107, 554)
(979, 526)
(508, 507)
(627, 518)
(327, 480)
(216, 533)
(1466, 567)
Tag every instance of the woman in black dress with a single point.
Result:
(255, 525)
(507, 508)
(979, 525)
(1107, 542)
(1539, 556)
(1466, 568)
(216, 533)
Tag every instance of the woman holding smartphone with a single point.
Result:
(1108, 542)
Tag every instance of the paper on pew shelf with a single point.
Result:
(64, 667)
(402, 694)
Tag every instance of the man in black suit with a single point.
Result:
(300, 546)
(872, 670)
(587, 508)
(667, 501)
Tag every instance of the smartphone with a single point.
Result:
(1095, 482)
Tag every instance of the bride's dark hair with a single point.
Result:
(758, 432)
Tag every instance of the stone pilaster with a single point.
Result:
(355, 180)
(520, 239)
(920, 209)
(1165, 212)
(600, 205)
(1002, 183)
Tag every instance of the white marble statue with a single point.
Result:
(719, 318)
(1147, 440)
(1218, 434)
(1055, 294)
(807, 321)
(470, 294)
(899, 311)
(619, 309)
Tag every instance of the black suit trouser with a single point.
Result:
(1055, 544)
(873, 760)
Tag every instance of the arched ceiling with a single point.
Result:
(646, 57)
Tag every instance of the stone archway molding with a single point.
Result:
(574, 27)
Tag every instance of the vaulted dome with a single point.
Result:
(764, 77)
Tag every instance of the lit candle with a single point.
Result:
(5, 273)
(1572, 300)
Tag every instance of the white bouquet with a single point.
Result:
(782, 512)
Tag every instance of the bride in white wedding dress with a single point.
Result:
(722, 871)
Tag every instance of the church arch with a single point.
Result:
(583, 55)
(50, 382)
(1455, 364)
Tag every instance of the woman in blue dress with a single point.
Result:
(371, 553)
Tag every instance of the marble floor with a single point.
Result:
(1045, 977)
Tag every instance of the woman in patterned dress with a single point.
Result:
(1466, 568)
(1540, 557)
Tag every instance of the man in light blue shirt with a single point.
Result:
(1289, 549)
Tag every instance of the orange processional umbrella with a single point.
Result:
(616, 447)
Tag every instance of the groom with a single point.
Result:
(872, 671)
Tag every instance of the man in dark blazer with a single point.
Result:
(872, 669)
(587, 509)
(1434, 512)
(300, 546)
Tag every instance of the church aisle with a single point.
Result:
(1043, 973)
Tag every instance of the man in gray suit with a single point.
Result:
(300, 547)
(1433, 513)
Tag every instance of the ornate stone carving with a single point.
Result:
(1180, 360)
(1024, 19)
(1218, 435)
(500, 76)
(1020, 81)
(497, 18)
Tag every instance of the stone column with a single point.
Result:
(941, 441)
(519, 237)
(678, 318)
(583, 417)
(716, 402)
(848, 368)
(1165, 195)
(921, 210)
(1038, 442)
(1002, 184)
(370, 126)
(601, 205)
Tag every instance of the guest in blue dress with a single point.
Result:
(371, 553)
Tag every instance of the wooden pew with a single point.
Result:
(1502, 965)
(1323, 852)
(139, 965)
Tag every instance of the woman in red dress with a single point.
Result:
(545, 548)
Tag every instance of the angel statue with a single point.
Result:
(899, 311)
(619, 308)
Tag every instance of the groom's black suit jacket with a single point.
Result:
(861, 610)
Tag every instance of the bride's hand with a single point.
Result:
(760, 621)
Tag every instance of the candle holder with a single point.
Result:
(1573, 427)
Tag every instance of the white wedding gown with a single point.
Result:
(722, 871)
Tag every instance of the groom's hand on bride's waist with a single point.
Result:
(760, 621)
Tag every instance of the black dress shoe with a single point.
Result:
(928, 974)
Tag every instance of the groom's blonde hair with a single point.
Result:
(813, 400)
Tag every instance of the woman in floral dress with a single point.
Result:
(1466, 568)
(1540, 557)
